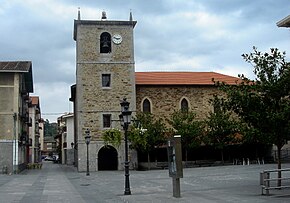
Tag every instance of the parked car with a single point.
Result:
(56, 159)
(48, 158)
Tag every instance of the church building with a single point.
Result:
(105, 74)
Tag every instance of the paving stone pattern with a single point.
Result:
(60, 183)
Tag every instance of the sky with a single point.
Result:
(170, 35)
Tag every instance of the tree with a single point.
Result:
(50, 129)
(221, 127)
(264, 103)
(147, 133)
(112, 136)
(184, 123)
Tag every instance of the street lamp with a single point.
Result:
(125, 118)
(87, 140)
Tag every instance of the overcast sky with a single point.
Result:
(170, 35)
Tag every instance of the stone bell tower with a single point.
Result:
(105, 74)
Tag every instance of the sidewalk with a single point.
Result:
(60, 183)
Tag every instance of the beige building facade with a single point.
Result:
(66, 138)
(41, 134)
(34, 130)
(15, 85)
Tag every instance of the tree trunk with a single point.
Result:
(279, 166)
(186, 157)
(222, 156)
(256, 151)
(148, 159)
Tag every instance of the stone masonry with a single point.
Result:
(167, 99)
(93, 100)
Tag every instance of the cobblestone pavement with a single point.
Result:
(60, 183)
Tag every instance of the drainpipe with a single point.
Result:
(14, 144)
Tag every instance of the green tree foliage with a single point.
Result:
(264, 103)
(147, 133)
(139, 138)
(221, 127)
(112, 136)
(50, 129)
(184, 123)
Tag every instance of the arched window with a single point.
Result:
(146, 106)
(105, 42)
(184, 105)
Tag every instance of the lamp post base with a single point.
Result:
(127, 181)
(127, 192)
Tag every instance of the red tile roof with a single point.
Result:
(182, 78)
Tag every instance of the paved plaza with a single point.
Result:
(60, 183)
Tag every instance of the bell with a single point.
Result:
(105, 45)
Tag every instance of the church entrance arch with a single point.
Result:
(107, 158)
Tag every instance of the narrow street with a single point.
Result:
(52, 183)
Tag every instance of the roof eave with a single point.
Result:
(285, 22)
(184, 84)
(29, 79)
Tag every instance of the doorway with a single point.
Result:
(107, 158)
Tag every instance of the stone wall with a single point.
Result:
(82, 154)
(93, 100)
(166, 99)
(97, 100)
(95, 147)
(88, 46)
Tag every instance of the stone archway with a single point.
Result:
(107, 158)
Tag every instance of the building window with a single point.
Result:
(184, 105)
(146, 106)
(106, 120)
(106, 80)
(105, 43)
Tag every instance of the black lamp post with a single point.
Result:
(87, 140)
(125, 118)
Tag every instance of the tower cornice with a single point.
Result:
(101, 23)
